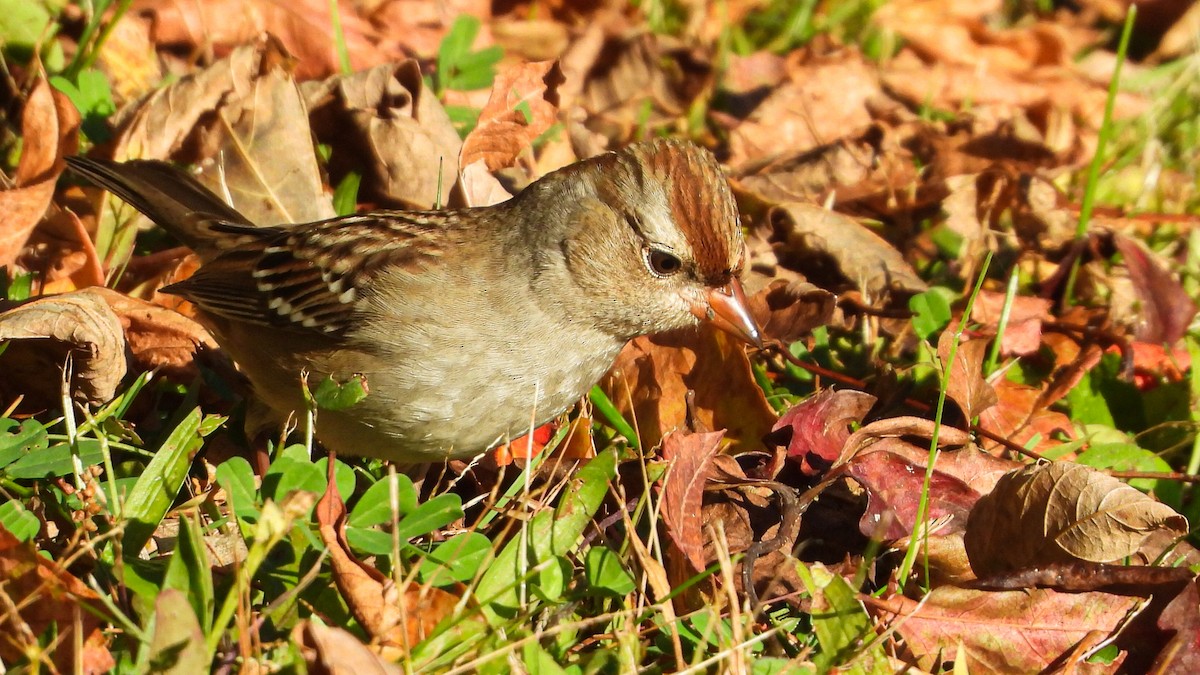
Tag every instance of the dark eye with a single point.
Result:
(662, 263)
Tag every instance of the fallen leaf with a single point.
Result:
(387, 126)
(1022, 631)
(1166, 308)
(158, 338)
(815, 430)
(1023, 330)
(688, 456)
(522, 106)
(1061, 512)
(333, 650)
(1181, 654)
(46, 595)
(966, 386)
(787, 311)
(823, 100)
(45, 331)
(832, 245)
(651, 378)
(49, 131)
(304, 27)
(397, 617)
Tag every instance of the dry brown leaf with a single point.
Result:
(652, 375)
(1061, 512)
(787, 311)
(129, 59)
(522, 106)
(480, 187)
(61, 251)
(396, 617)
(683, 491)
(385, 125)
(158, 338)
(45, 594)
(1021, 414)
(809, 176)
(184, 113)
(303, 26)
(1166, 309)
(333, 650)
(266, 163)
(645, 81)
(1009, 632)
(49, 131)
(823, 100)
(966, 385)
(813, 237)
(417, 27)
(45, 331)
(1023, 332)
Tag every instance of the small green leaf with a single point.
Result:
(345, 197)
(369, 541)
(931, 311)
(190, 572)
(18, 520)
(605, 574)
(456, 559)
(429, 516)
(236, 478)
(287, 475)
(375, 508)
(333, 395)
(551, 534)
(55, 460)
(16, 442)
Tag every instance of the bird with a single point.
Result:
(466, 324)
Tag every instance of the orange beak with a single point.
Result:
(727, 309)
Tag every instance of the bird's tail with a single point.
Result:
(166, 195)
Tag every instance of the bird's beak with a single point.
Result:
(726, 309)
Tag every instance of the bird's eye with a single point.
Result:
(661, 263)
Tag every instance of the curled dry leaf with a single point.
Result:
(49, 130)
(651, 378)
(104, 332)
(386, 125)
(266, 163)
(396, 617)
(1061, 512)
(966, 385)
(809, 176)
(1166, 308)
(522, 106)
(683, 491)
(158, 338)
(48, 330)
(822, 243)
(179, 115)
(329, 649)
(788, 310)
(43, 594)
(480, 187)
(815, 431)
(894, 483)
